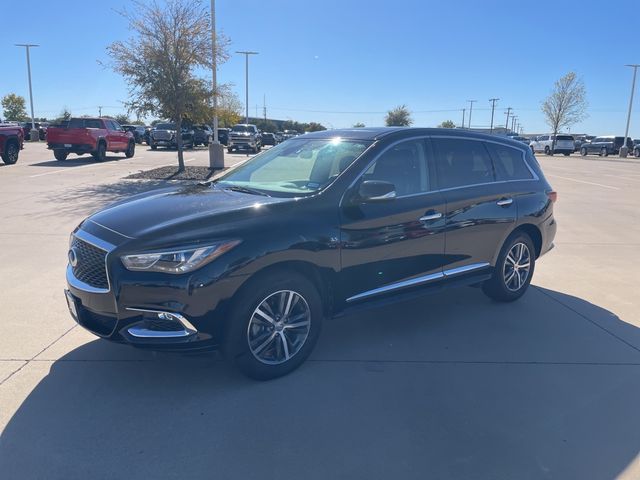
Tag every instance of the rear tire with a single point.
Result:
(514, 269)
(229, 150)
(153, 146)
(567, 154)
(61, 155)
(101, 153)
(131, 150)
(11, 152)
(261, 340)
(583, 152)
(604, 152)
(547, 150)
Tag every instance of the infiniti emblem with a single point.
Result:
(73, 257)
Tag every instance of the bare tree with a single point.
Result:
(170, 43)
(399, 117)
(566, 105)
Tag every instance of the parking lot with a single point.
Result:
(452, 385)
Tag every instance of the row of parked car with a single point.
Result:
(585, 144)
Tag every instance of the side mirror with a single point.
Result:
(376, 191)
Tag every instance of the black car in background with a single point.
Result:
(329, 222)
(223, 136)
(202, 135)
(165, 135)
(636, 147)
(136, 130)
(41, 127)
(268, 138)
(604, 146)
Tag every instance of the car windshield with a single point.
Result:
(242, 128)
(298, 167)
(165, 126)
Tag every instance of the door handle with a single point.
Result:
(503, 202)
(431, 216)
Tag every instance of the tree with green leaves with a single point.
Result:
(359, 125)
(447, 124)
(122, 119)
(14, 107)
(314, 127)
(175, 40)
(398, 117)
(566, 105)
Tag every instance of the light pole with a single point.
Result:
(216, 150)
(624, 150)
(471, 102)
(513, 122)
(493, 107)
(34, 135)
(246, 70)
(463, 111)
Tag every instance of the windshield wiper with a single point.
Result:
(238, 188)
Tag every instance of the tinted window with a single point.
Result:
(404, 165)
(462, 162)
(91, 123)
(564, 137)
(509, 163)
(76, 123)
(113, 125)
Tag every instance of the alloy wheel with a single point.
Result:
(279, 327)
(12, 153)
(517, 266)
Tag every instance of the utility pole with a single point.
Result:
(463, 111)
(471, 102)
(264, 107)
(34, 134)
(493, 107)
(506, 125)
(624, 150)
(216, 150)
(513, 123)
(100, 110)
(246, 54)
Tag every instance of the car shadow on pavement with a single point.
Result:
(77, 161)
(453, 386)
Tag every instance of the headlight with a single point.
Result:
(177, 261)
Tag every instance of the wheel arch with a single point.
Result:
(533, 232)
(319, 276)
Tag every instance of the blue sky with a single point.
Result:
(322, 60)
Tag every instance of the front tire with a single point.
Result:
(547, 150)
(274, 323)
(514, 269)
(131, 150)
(604, 152)
(583, 152)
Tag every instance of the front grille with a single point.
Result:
(90, 267)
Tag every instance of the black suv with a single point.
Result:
(202, 135)
(164, 135)
(325, 223)
(604, 146)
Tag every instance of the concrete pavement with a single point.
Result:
(449, 386)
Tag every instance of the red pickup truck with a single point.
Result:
(96, 136)
(11, 142)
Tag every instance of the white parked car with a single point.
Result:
(543, 143)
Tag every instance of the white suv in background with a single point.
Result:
(543, 143)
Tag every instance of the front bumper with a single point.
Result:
(182, 313)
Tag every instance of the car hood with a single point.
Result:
(150, 213)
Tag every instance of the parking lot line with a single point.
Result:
(582, 181)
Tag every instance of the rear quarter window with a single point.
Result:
(509, 163)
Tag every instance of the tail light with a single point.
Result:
(552, 195)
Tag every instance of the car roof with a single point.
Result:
(378, 133)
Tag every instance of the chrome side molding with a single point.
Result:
(419, 280)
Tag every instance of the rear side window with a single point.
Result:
(76, 123)
(462, 162)
(509, 163)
